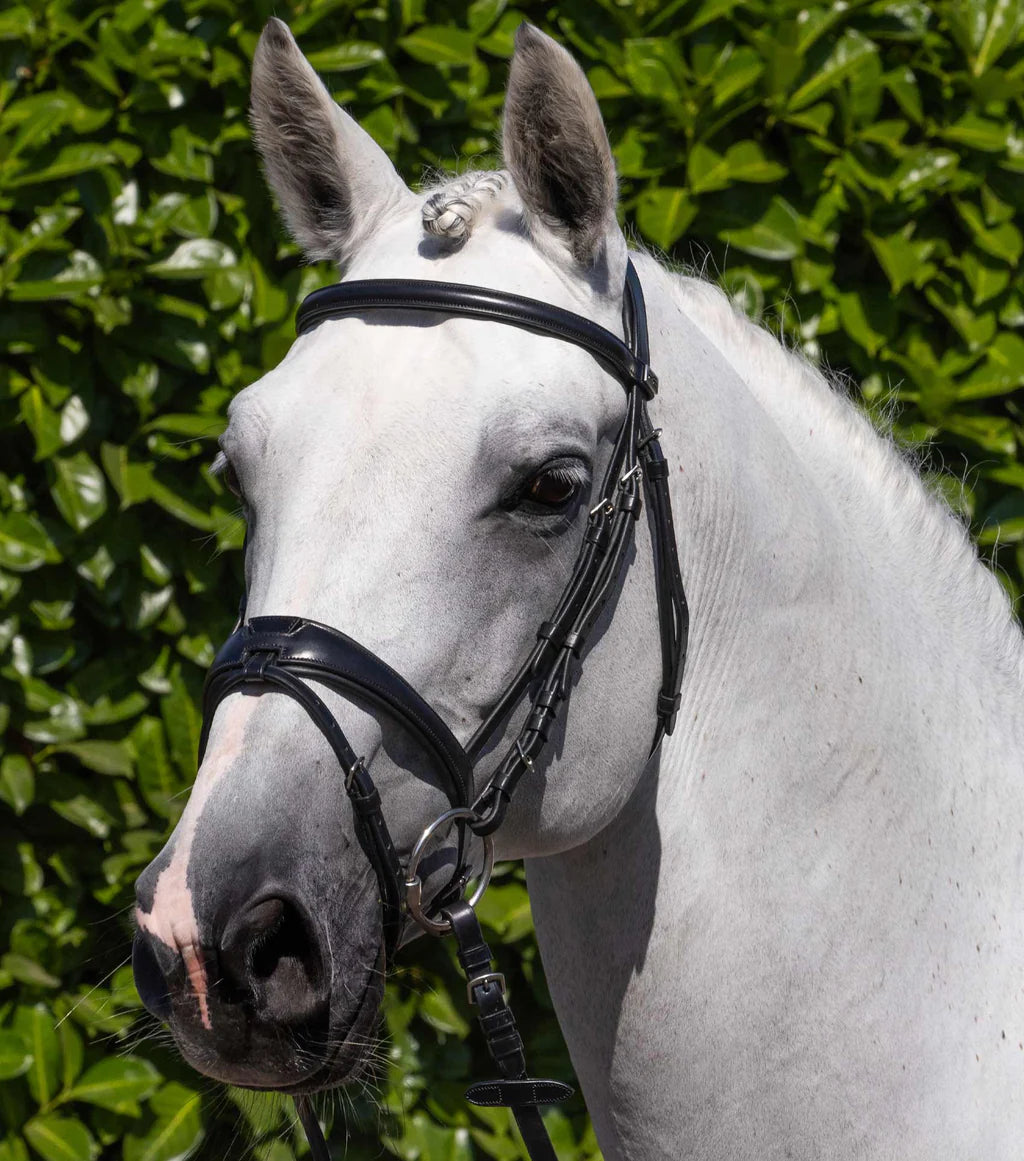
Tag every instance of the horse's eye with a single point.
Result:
(227, 473)
(553, 487)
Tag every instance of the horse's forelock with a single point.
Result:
(454, 207)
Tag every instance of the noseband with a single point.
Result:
(286, 654)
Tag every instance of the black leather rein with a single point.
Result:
(285, 654)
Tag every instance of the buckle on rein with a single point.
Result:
(414, 885)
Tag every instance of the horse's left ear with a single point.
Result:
(556, 147)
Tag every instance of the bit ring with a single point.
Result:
(414, 885)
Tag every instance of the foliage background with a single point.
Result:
(856, 174)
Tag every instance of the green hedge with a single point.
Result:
(856, 175)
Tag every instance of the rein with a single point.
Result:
(285, 654)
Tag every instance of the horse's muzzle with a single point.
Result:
(253, 1007)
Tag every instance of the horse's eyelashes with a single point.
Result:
(230, 477)
(551, 490)
(553, 487)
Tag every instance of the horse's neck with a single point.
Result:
(839, 718)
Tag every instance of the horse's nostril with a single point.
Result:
(269, 959)
(150, 981)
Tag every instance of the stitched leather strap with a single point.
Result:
(318, 652)
(311, 1126)
(503, 1041)
(512, 1093)
(478, 302)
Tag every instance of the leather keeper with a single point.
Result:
(548, 698)
(547, 631)
(668, 704)
(539, 722)
(366, 804)
(631, 504)
(657, 469)
(516, 1093)
(597, 534)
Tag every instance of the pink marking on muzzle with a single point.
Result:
(172, 918)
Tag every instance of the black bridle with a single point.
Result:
(287, 653)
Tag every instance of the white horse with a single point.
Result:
(797, 932)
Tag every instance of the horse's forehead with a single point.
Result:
(414, 380)
(410, 377)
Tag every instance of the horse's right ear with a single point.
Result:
(332, 180)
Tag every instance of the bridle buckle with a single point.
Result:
(485, 978)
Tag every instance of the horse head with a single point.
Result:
(423, 483)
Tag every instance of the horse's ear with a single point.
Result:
(556, 147)
(332, 180)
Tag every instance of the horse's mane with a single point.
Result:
(889, 482)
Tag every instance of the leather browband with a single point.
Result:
(478, 302)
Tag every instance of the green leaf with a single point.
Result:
(848, 54)
(992, 433)
(24, 543)
(422, 1138)
(706, 169)
(654, 68)
(131, 481)
(157, 782)
(43, 422)
(117, 1084)
(195, 258)
(902, 83)
(482, 14)
(176, 1133)
(903, 259)
(80, 810)
(12, 1148)
(1001, 372)
(77, 158)
(746, 161)
(57, 1138)
(81, 272)
(707, 11)
(986, 279)
(864, 317)
(736, 75)
(439, 44)
(182, 722)
(113, 758)
(776, 235)
(440, 1013)
(79, 490)
(978, 133)
(17, 782)
(1003, 241)
(186, 158)
(663, 214)
(28, 971)
(35, 1026)
(1004, 521)
(985, 29)
(343, 58)
(15, 1057)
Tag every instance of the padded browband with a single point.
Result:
(478, 302)
(319, 653)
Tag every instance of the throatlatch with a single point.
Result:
(287, 653)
